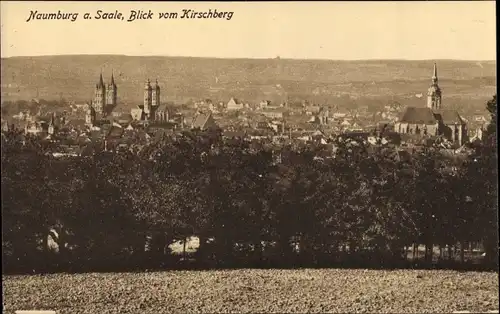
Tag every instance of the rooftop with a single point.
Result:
(449, 117)
(418, 115)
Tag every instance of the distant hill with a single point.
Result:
(183, 78)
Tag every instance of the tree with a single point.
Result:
(491, 130)
(26, 217)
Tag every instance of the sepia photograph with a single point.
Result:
(249, 157)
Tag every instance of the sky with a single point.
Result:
(299, 30)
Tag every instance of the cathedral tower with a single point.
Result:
(148, 91)
(155, 99)
(100, 96)
(434, 92)
(111, 92)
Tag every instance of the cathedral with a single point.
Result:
(151, 99)
(104, 101)
(151, 109)
(433, 120)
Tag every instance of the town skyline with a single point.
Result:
(264, 157)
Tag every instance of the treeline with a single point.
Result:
(363, 207)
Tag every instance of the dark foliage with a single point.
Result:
(364, 207)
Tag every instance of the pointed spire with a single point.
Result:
(435, 75)
(112, 78)
(101, 81)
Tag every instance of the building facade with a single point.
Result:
(104, 96)
(151, 108)
(105, 99)
(234, 104)
(433, 120)
(434, 92)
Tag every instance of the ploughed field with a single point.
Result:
(305, 290)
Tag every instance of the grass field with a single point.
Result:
(307, 290)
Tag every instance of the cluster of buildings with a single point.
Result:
(277, 123)
(434, 119)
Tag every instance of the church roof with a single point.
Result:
(162, 108)
(418, 115)
(449, 117)
(201, 120)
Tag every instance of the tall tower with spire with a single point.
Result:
(155, 99)
(148, 91)
(111, 92)
(434, 92)
(100, 96)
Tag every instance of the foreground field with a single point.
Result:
(347, 291)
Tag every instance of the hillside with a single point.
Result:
(183, 78)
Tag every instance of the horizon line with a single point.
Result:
(247, 58)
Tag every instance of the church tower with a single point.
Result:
(155, 100)
(111, 92)
(90, 116)
(148, 91)
(434, 92)
(100, 96)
